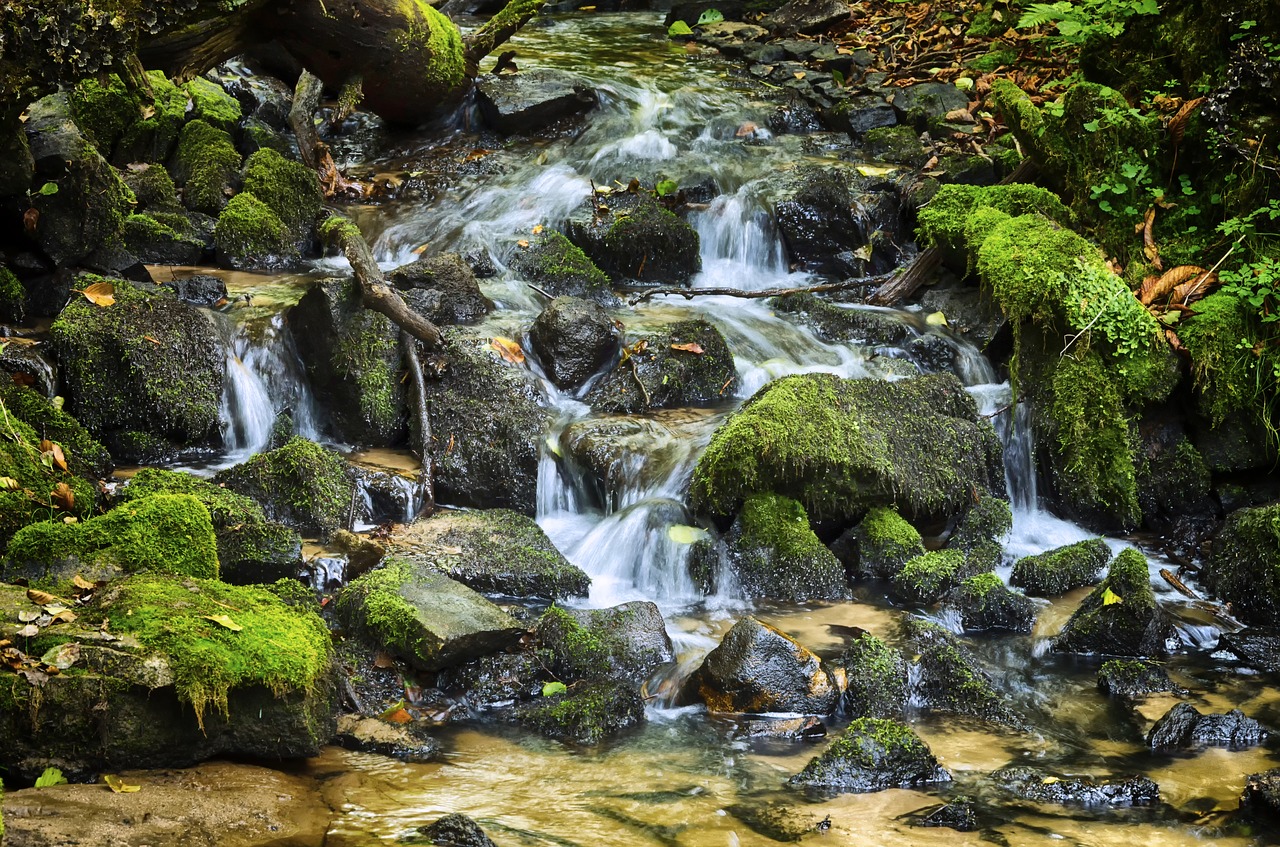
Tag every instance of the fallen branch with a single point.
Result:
(306, 99)
(427, 475)
(1172, 578)
(690, 293)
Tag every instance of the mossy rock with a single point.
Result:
(442, 288)
(983, 602)
(1121, 616)
(249, 236)
(153, 241)
(585, 715)
(978, 533)
(559, 267)
(820, 222)
(153, 138)
(103, 112)
(13, 297)
(924, 579)
(948, 679)
(1244, 568)
(872, 754)
(211, 104)
(1223, 369)
(845, 324)
(1061, 569)
(898, 145)
(842, 446)
(207, 165)
(626, 642)
(148, 364)
(1174, 481)
(880, 545)
(639, 239)
(32, 501)
(1134, 678)
(686, 365)
(288, 188)
(877, 679)
(302, 485)
(774, 553)
(494, 551)
(154, 189)
(164, 533)
(85, 456)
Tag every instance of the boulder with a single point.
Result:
(846, 324)
(627, 642)
(1134, 678)
(924, 579)
(1244, 568)
(301, 484)
(1183, 727)
(1255, 647)
(493, 682)
(156, 242)
(948, 679)
(1121, 616)
(84, 455)
(406, 742)
(573, 339)
(1262, 794)
(495, 551)
(559, 267)
(879, 546)
(207, 166)
(687, 364)
(842, 446)
(442, 289)
(871, 755)
(424, 617)
(1043, 787)
(1173, 480)
(16, 165)
(773, 553)
(979, 532)
(528, 101)
(876, 676)
(603, 453)
(824, 229)
(199, 290)
(926, 104)
(757, 669)
(970, 314)
(452, 831)
(984, 602)
(806, 16)
(587, 714)
(637, 239)
(1060, 570)
(859, 114)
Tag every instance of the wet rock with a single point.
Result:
(871, 755)
(154, 241)
(1256, 647)
(85, 457)
(959, 815)
(495, 551)
(637, 239)
(842, 446)
(147, 364)
(688, 364)
(1121, 616)
(207, 166)
(805, 729)
(573, 339)
(925, 579)
(984, 602)
(486, 426)
(301, 484)
(217, 803)
(627, 642)
(362, 552)
(806, 16)
(16, 165)
(978, 533)
(614, 456)
(421, 615)
(1173, 480)
(876, 676)
(969, 312)
(1262, 794)
(385, 496)
(794, 119)
(1060, 570)
(199, 290)
(442, 289)
(352, 358)
(844, 323)
(1042, 787)
(772, 552)
(1132, 678)
(451, 831)
(948, 678)
(775, 821)
(497, 680)
(821, 225)
(1184, 727)
(530, 100)
(405, 742)
(587, 714)
(860, 114)
(559, 267)
(879, 546)
(927, 103)
(896, 145)
(757, 669)
(1244, 569)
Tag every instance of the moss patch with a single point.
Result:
(249, 234)
(208, 164)
(301, 484)
(877, 679)
(926, 578)
(776, 554)
(211, 104)
(885, 542)
(1120, 617)
(1244, 569)
(1059, 570)
(20, 460)
(85, 456)
(290, 189)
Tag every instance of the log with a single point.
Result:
(427, 474)
(690, 293)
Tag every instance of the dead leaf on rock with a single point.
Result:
(224, 621)
(31, 221)
(100, 294)
(83, 584)
(118, 785)
(746, 129)
(398, 716)
(63, 656)
(383, 660)
(692, 347)
(29, 631)
(509, 350)
(27, 616)
(42, 598)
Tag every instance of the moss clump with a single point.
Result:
(1221, 338)
(290, 189)
(374, 602)
(1059, 570)
(948, 219)
(447, 69)
(301, 484)
(166, 533)
(984, 603)
(211, 104)
(103, 112)
(249, 234)
(898, 145)
(280, 648)
(1244, 569)
(84, 454)
(926, 578)
(870, 755)
(978, 533)
(949, 678)
(154, 188)
(885, 543)
(152, 240)
(585, 715)
(1133, 678)
(1120, 617)
(20, 460)
(877, 679)
(207, 164)
(577, 653)
(775, 553)
(13, 297)
(993, 59)
(152, 139)
(558, 266)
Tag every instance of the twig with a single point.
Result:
(1205, 276)
(427, 473)
(540, 291)
(636, 373)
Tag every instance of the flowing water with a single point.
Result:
(684, 778)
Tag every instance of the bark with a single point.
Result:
(306, 98)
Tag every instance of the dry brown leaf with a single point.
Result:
(692, 347)
(29, 631)
(42, 598)
(63, 497)
(1178, 124)
(100, 294)
(1174, 341)
(59, 458)
(82, 583)
(1149, 248)
(154, 341)
(537, 229)
(31, 221)
(745, 129)
(524, 242)
(509, 350)
(1166, 282)
(961, 116)
(420, 249)
(383, 660)
(398, 716)
(1194, 289)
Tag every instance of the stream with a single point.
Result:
(665, 110)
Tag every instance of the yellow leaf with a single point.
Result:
(224, 621)
(524, 242)
(537, 230)
(1050, 780)
(798, 74)
(936, 319)
(9, 483)
(100, 294)
(683, 534)
(420, 249)
(876, 170)
(118, 785)
(1110, 598)
(509, 350)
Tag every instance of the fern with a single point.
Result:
(1039, 14)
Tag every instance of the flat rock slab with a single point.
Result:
(533, 99)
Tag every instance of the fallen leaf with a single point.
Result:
(509, 350)
(31, 221)
(537, 230)
(82, 583)
(42, 598)
(961, 116)
(118, 785)
(50, 777)
(684, 534)
(100, 294)
(553, 688)
(398, 716)
(27, 616)
(9, 483)
(29, 631)
(62, 494)
(63, 656)
(936, 319)
(799, 74)
(65, 616)
(23, 379)
(746, 129)
(1110, 598)
(383, 660)
(1050, 780)
(691, 347)
(1153, 289)
(154, 341)
(224, 621)
(420, 249)
(524, 242)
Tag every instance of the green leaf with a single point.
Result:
(1110, 598)
(679, 28)
(553, 688)
(837, 77)
(49, 188)
(710, 16)
(50, 777)
(1092, 126)
(665, 187)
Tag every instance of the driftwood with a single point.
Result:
(306, 99)
(690, 293)
(427, 475)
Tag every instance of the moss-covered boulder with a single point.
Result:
(978, 533)
(573, 338)
(984, 602)
(1244, 568)
(1134, 678)
(1121, 616)
(251, 549)
(871, 755)
(495, 551)
(33, 490)
(207, 165)
(773, 553)
(154, 189)
(212, 104)
(559, 267)
(586, 714)
(623, 642)
(687, 364)
(638, 239)
(84, 455)
(249, 236)
(879, 546)
(164, 533)
(151, 135)
(443, 289)
(947, 677)
(876, 679)
(422, 616)
(156, 242)
(352, 357)
(1174, 481)
(757, 669)
(842, 446)
(1061, 569)
(147, 364)
(183, 669)
(924, 579)
(301, 484)
(289, 189)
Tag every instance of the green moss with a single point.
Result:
(1244, 569)
(949, 680)
(1019, 113)
(277, 647)
(207, 164)
(103, 112)
(154, 188)
(225, 506)
(982, 584)
(31, 501)
(647, 242)
(249, 232)
(1221, 338)
(926, 578)
(898, 145)
(162, 533)
(993, 59)
(85, 456)
(777, 555)
(295, 594)
(889, 735)
(1061, 569)
(211, 104)
(336, 229)
(585, 715)
(888, 534)
(949, 217)
(559, 260)
(13, 297)
(290, 189)
(150, 237)
(151, 139)
(877, 679)
(301, 484)
(374, 598)
(369, 350)
(1120, 616)
(578, 654)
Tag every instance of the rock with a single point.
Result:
(871, 755)
(948, 678)
(352, 358)
(627, 642)
(1183, 727)
(16, 165)
(807, 16)
(216, 804)
(927, 103)
(773, 553)
(1060, 570)
(969, 313)
(496, 680)
(452, 831)
(532, 99)
(487, 426)
(879, 546)
(155, 242)
(984, 602)
(1244, 569)
(211, 103)
(757, 669)
(1133, 678)
(860, 114)
(876, 675)
(959, 815)
(495, 551)
(147, 364)
(1121, 616)
(423, 616)
(585, 715)
(1255, 647)
(795, 729)
(249, 236)
(573, 339)
(896, 145)
(559, 267)
(823, 228)
(85, 456)
(199, 290)
(1173, 480)
(774, 821)
(979, 532)
(602, 451)
(207, 166)
(1042, 787)
(442, 289)
(301, 484)
(687, 364)
(924, 579)
(638, 239)
(842, 446)
(1262, 794)
(405, 742)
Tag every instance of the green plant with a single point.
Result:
(50, 777)
(1079, 21)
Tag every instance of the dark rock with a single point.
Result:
(820, 222)
(573, 339)
(1133, 678)
(559, 267)
(301, 484)
(969, 312)
(1060, 570)
(757, 669)
(1172, 478)
(877, 683)
(452, 831)
(871, 755)
(846, 323)
(637, 239)
(806, 16)
(879, 546)
(1183, 727)
(948, 678)
(897, 145)
(405, 742)
(199, 290)
(382, 495)
(805, 729)
(1244, 569)
(979, 532)
(496, 680)
(601, 452)
(1262, 794)
(860, 114)
(442, 289)
(1042, 787)
(925, 579)
(16, 165)
(794, 119)
(530, 100)
(155, 242)
(983, 602)
(772, 552)
(775, 821)
(627, 642)
(1121, 616)
(959, 815)
(587, 714)
(688, 364)
(32, 368)
(1256, 647)
(927, 103)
